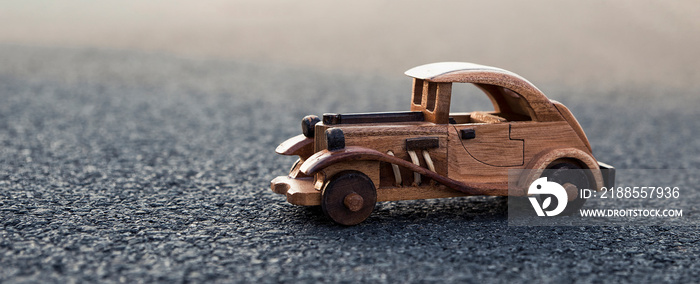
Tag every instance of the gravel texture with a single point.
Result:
(130, 167)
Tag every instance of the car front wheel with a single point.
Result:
(348, 198)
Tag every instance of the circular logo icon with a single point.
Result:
(542, 186)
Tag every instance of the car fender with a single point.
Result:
(540, 161)
(299, 145)
(325, 158)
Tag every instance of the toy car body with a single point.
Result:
(348, 162)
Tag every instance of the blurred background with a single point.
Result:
(137, 137)
(577, 43)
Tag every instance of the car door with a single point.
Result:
(489, 144)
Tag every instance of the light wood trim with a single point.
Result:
(416, 161)
(485, 117)
(395, 169)
(428, 160)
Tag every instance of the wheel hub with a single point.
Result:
(353, 202)
(571, 191)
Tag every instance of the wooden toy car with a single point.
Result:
(348, 162)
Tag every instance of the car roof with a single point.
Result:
(464, 72)
(435, 71)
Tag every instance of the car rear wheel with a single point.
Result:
(348, 198)
(573, 178)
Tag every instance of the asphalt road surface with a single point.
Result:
(134, 167)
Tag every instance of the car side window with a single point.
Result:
(466, 99)
(471, 104)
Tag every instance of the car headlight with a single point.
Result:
(335, 139)
(308, 125)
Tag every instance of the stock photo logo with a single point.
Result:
(540, 189)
